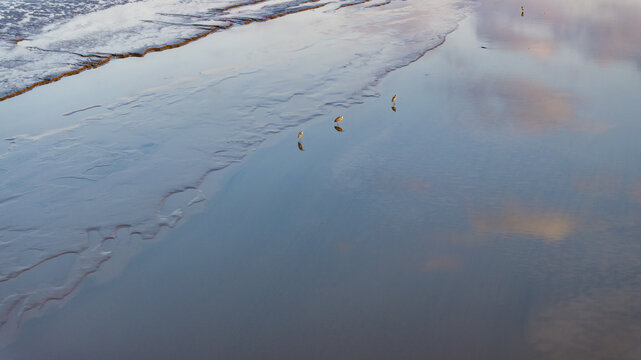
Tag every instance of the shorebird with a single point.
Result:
(338, 119)
(300, 134)
(394, 99)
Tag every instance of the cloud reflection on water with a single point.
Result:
(528, 105)
(603, 30)
(547, 225)
(603, 324)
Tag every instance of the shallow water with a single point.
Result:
(496, 213)
(107, 156)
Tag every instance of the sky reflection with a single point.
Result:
(443, 263)
(604, 30)
(547, 225)
(414, 233)
(526, 104)
(604, 324)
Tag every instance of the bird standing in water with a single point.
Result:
(394, 99)
(300, 134)
(338, 119)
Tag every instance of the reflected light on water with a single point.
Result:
(587, 26)
(528, 105)
(602, 325)
(547, 225)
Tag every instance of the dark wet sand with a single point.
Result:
(495, 214)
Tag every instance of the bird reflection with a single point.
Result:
(394, 108)
(300, 146)
(338, 128)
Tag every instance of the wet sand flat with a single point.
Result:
(114, 156)
(493, 211)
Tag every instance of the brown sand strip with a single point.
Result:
(381, 4)
(354, 3)
(107, 58)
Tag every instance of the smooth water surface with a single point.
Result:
(495, 212)
(115, 155)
